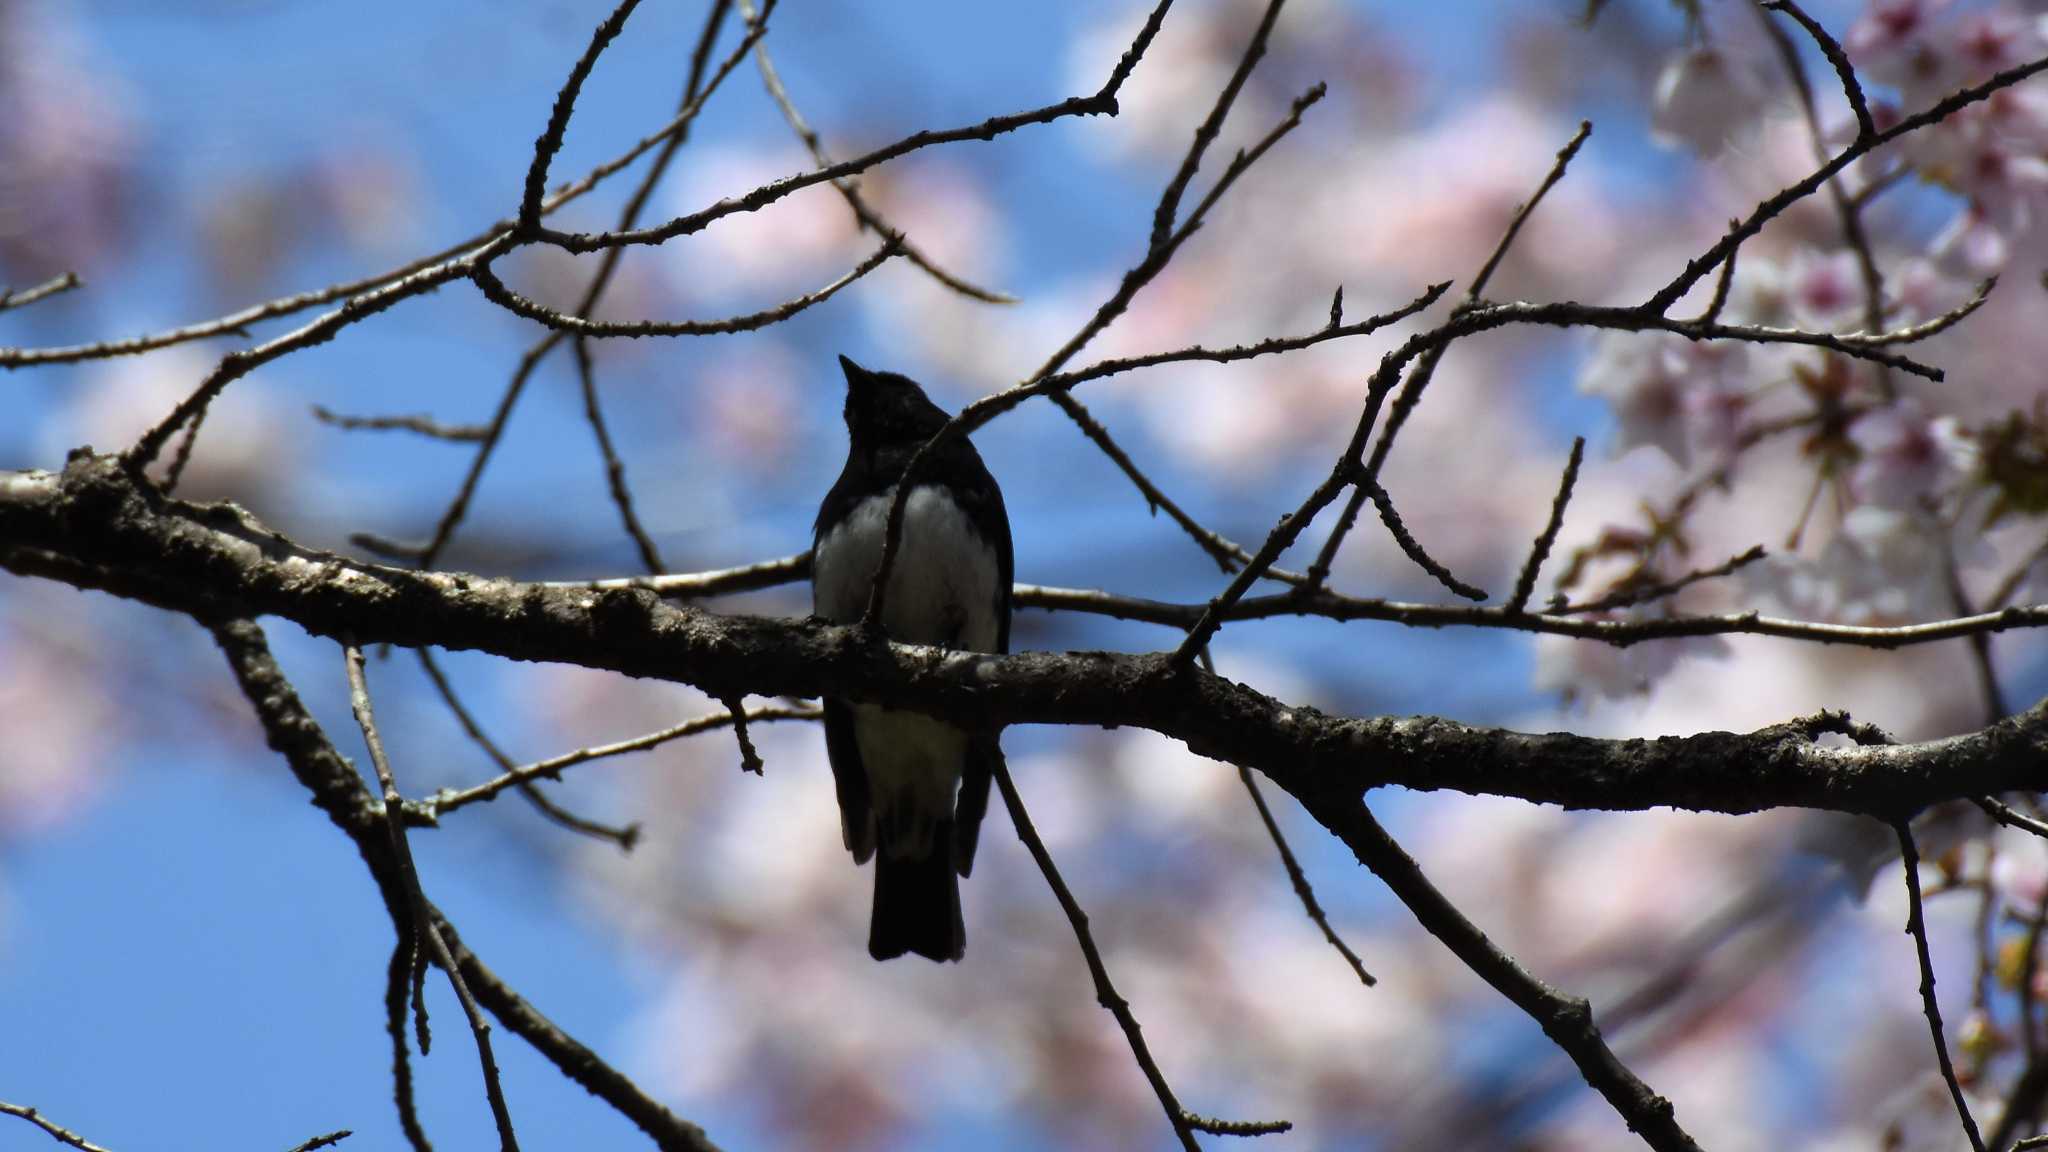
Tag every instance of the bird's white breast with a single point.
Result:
(942, 585)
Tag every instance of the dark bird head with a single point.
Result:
(885, 410)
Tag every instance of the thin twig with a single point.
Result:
(326, 1141)
(1525, 584)
(1847, 208)
(1722, 284)
(240, 363)
(848, 190)
(750, 760)
(1837, 59)
(495, 290)
(1784, 198)
(397, 978)
(1302, 889)
(401, 850)
(1042, 381)
(1916, 927)
(182, 455)
(696, 92)
(2009, 816)
(1990, 692)
(550, 140)
(1105, 991)
(1527, 207)
(1212, 125)
(449, 800)
(58, 1133)
(626, 837)
(1102, 102)
(23, 297)
(1425, 369)
(421, 425)
(1384, 505)
(1645, 593)
(614, 469)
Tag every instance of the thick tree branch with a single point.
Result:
(96, 526)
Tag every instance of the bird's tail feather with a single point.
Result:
(917, 903)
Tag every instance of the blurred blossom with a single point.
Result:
(1705, 98)
(1906, 458)
(2019, 872)
(1990, 40)
(746, 402)
(1825, 290)
(1920, 291)
(52, 685)
(65, 143)
(1684, 397)
(1971, 245)
(1900, 43)
(1884, 566)
(257, 222)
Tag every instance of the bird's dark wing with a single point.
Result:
(983, 754)
(984, 505)
(856, 818)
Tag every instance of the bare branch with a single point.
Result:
(401, 853)
(58, 1133)
(338, 791)
(988, 407)
(848, 190)
(1302, 889)
(447, 800)
(1916, 927)
(496, 291)
(425, 426)
(1771, 208)
(1425, 370)
(614, 469)
(106, 531)
(1105, 991)
(238, 364)
(1567, 1020)
(1525, 584)
(1837, 59)
(1384, 504)
(1648, 593)
(23, 297)
(550, 141)
(624, 837)
(1212, 125)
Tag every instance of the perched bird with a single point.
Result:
(949, 585)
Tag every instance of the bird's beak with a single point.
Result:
(855, 374)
